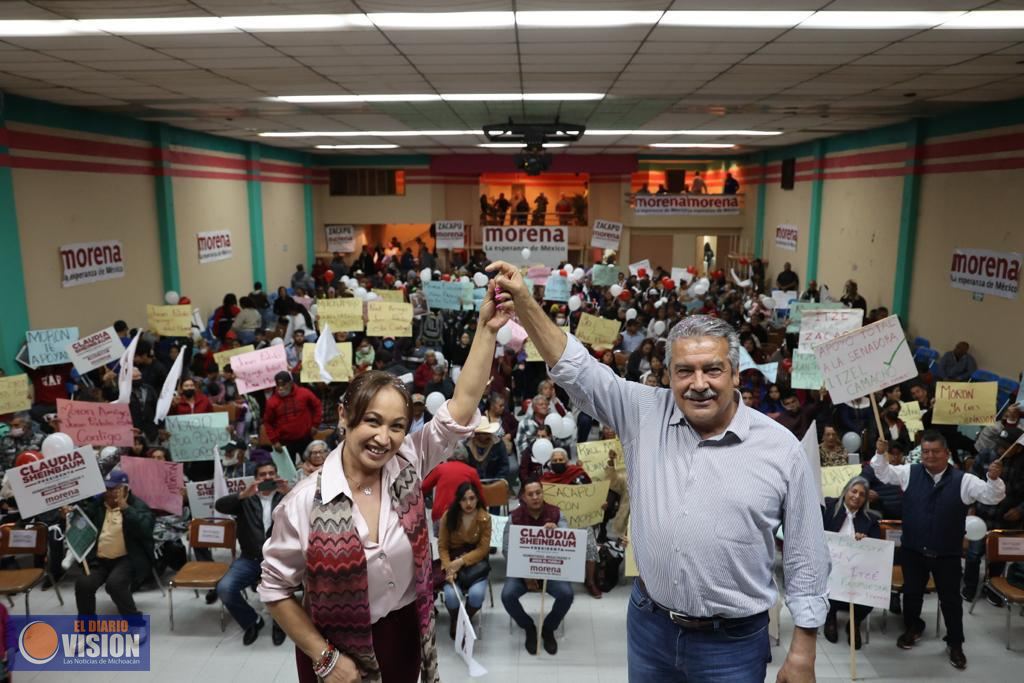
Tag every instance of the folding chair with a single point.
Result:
(496, 494)
(1003, 546)
(196, 575)
(31, 539)
(892, 530)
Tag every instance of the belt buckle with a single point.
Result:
(684, 621)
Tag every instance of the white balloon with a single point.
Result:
(425, 275)
(615, 290)
(434, 402)
(574, 303)
(172, 298)
(579, 273)
(568, 268)
(526, 254)
(659, 327)
(57, 443)
(568, 427)
(700, 289)
(975, 528)
(851, 442)
(504, 335)
(554, 423)
(630, 314)
(541, 451)
(464, 278)
(399, 284)
(439, 357)
(276, 341)
(767, 301)
(361, 293)
(480, 280)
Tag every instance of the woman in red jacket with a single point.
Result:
(190, 401)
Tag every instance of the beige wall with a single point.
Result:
(415, 206)
(969, 211)
(792, 207)
(860, 226)
(284, 231)
(202, 205)
(56, 208)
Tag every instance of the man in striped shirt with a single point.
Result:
(710, 482)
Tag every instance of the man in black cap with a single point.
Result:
(253, 510)
(123, 555)
(292, 415)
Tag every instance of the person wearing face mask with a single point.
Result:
(20, 437)
(364, 355)
(356, 536)
(190, 401)
(253, 512)
(142, 405)
(292, 415)
(989, 435)
(849, 514)
(560, 471)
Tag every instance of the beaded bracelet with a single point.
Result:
(325, 658)
(323, 671)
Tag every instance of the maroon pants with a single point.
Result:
(396, 642)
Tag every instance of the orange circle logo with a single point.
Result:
(38, 642)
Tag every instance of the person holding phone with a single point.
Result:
(252, 509)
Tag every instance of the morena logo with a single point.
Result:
(38, 642)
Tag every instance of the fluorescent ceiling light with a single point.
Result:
(457, 97)
(598, 19)
(695, 145)
(734, 18)
(877, 20)
(366, 133)
(41, 27)
(160, 25)
(442, 20)
(666, 133)
(301, 22)
(356, 146)
(355, 99)
(987, 19)
(519, 145)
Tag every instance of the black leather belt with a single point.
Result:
(696, 623)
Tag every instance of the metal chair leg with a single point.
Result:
(10, 600)
(223, 625)
(1009, 614)
(27, 612)
(938, 618)
(490, 591)
(170, 604)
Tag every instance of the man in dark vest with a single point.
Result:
(935, 501)
(535, 512)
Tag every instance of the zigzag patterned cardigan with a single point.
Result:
(337, 586)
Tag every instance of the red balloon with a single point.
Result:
(329, 276)
(642, 272)
(563, 273)
(625, 295)
(787, 364)
(670, 285)
(25, 457)
(446, 277)
(691, 270)
(183, 301)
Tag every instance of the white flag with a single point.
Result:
(465, 637)
(220, 484)
(326, 351)
(163, 404)
(124, 378)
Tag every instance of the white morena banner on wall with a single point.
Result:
(538, 553)
(986, 272)
(548, 244)
(450, 234)
(606, 234)
(341, 238)
(687, 204)
(214, 246)
(85, 262)
(786, 236)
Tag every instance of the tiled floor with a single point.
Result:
(592, 649)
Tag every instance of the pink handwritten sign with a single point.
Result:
(255, 370)
(159, 484)
(96, 424)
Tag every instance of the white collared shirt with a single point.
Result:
(972, 489)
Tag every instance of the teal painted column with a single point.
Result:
(255, 193)
(762, 192)
(167, 231)
(908, 222)
(12, 275)
(814, 229)
(307, 201)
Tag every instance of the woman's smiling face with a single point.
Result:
(376, 439)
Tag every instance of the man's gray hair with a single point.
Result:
(705, 326)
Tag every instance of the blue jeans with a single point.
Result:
(474, 596)
(516, 588)
(243, 573)
(661, 652)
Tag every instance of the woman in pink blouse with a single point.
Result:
(355, 538)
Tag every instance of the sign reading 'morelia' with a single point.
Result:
(87, 262)
(687, 204)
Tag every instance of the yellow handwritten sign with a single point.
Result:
(593, 456)
(631, 568)
(340, 366)
(910, 413)
(169, 321)
(221, 358)
(395, 295)
(833, 479)
(965, 403)
(343, 315)
(389, 319)
(580, 503)
(14, 394)
(597, 331)
(532, 354)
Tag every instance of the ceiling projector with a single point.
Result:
(534, 137)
